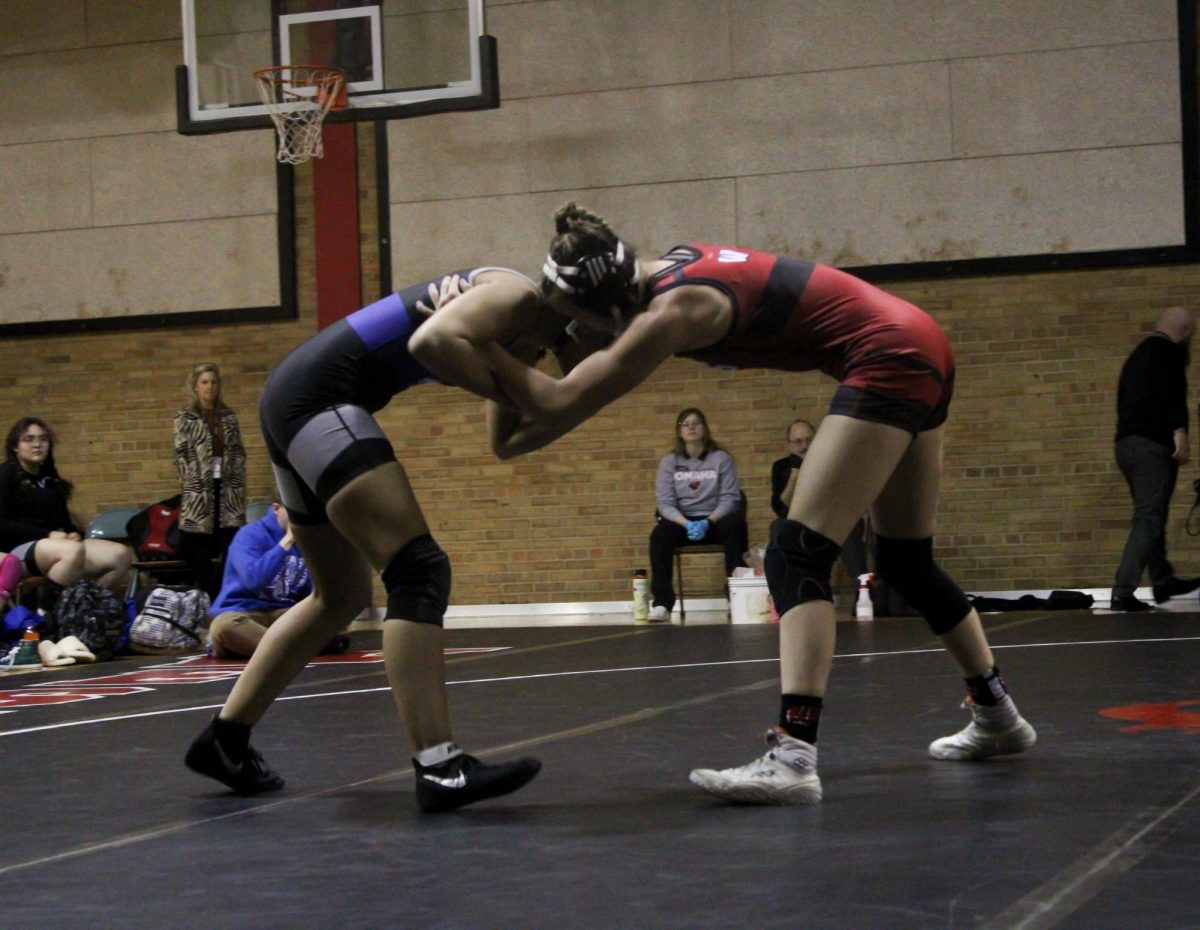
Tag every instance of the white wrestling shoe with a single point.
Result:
(787, 774)
(993, 731)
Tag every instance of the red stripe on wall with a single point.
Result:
(335, 204)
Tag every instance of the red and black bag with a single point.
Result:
(154, 532)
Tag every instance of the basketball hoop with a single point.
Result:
(298, 97)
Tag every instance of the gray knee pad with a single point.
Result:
(417, 581)
(798, 565)
(908, 566)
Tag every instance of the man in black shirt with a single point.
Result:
(1151, 444)
(783, 471)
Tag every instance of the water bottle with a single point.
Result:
(27, 652)
(641, 596)
(864, 609)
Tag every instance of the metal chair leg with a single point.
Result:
(679, 586)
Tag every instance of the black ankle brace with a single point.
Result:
(988, 689)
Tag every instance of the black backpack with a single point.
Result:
(94, 615)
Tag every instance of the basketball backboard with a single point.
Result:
(402, 58)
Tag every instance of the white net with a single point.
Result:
(298, 97)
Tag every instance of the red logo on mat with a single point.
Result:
(1170, 715)
(192, 670)
(30, 698)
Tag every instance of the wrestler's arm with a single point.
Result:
(496, 309)
(550, 408)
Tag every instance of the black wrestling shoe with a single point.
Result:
(1174, 587)
(249, 776)
(464, 779)
(1129, 604)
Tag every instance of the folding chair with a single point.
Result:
(680, 552)
(111, 524)
(689, 549)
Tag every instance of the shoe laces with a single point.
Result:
(255, 762)
(787, 750)
(764, 765)
(996, 717)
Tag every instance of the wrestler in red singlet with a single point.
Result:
(894, 363)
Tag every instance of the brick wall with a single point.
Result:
(1031, 496)
(99, 221)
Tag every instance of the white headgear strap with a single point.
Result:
(588, 274)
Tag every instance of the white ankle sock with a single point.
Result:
(436, 755)
(998, 717)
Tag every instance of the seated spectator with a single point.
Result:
(35, 524)
(783, 485)
(264, 576)
(784, 471)
(699, 501)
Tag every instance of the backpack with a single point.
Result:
(94, 615)
(154, 532)
(171, 621)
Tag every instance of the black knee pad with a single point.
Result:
(908, 566)
(798, 565)
(417, 581)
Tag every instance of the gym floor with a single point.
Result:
(1097, 827)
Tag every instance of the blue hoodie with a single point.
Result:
(260, 574)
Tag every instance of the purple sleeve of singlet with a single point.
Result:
(383, 321)
(391, 318)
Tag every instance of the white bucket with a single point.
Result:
(749, 600)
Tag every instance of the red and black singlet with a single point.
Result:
(795, 315)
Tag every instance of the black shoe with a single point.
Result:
(464, 780)
(1174, 587)
(249, 776)
(1129, 604)
(335, 647)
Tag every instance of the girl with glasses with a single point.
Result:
(36, 524)
(698, 495)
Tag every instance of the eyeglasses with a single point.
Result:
(801, 439)
(34, 439)
(690, 424)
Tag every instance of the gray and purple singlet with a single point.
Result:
(317, 405)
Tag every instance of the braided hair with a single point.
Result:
(589, 263)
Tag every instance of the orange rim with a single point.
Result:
(326, 80)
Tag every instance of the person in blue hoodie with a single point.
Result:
(264, 576)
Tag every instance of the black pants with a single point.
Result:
(205, 555)
(1150, 472)
(666, 537)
